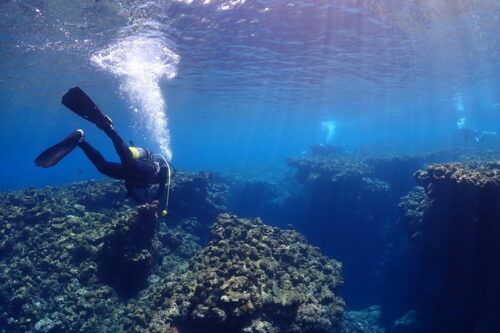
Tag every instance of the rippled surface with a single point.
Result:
(333, 51)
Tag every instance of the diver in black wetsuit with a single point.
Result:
(138, 167)
(472, 135)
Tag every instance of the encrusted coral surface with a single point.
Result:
(480, 175)
(66, 251)
(413, 206)
(451, 197)
(47, 276)
(334, 170)
(70, 262)
(250, 278)
(129, 252)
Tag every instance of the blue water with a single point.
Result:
(254, 79)
(239, 86)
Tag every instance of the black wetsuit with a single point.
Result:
(139, 174)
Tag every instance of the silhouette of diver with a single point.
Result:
(138, 167)
(472, 135)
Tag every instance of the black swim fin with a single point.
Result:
(54, 154)
(80, 103)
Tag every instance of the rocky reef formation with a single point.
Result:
(250, 278)
(48, 279)
(453, 218)
(129, 252)
(347, 204)
(71, 256)
(73, 262)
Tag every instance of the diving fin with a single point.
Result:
(54, 154)
(80, 103)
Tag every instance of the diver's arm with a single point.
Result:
(134, 194)
(161, 195)
(161, 190)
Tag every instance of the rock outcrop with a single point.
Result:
(454, 220)
(129, 252)
(250, 278)
(71, 256)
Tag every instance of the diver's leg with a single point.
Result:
(120, 146)
(54, 154)
(110, 169)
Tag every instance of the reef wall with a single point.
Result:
(453, 218)
(347, 204)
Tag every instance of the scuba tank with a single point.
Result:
(139, 153)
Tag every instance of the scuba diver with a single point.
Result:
(469, 134)
(138, 167)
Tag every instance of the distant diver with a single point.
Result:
(470, 134)
(139, 168)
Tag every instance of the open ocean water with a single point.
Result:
(370, 127)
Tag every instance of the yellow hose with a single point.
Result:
(165, 211)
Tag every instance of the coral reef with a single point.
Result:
(70, 262)
(68, 254)
(129, 252)
(346, 203)
(412, 208)
(249, 278)
(449, 197)
(48, 279)
(335, 170)
(453, 218)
